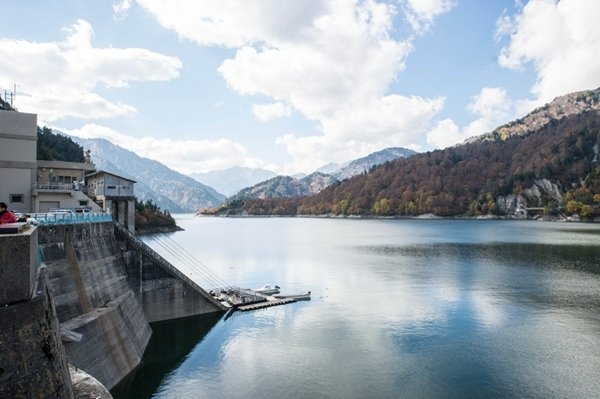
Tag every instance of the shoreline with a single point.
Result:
(417, 217)
(147, 230)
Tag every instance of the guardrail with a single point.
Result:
(61, 186)
(44, 219)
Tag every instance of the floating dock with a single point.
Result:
(265, 304)
(244, 299)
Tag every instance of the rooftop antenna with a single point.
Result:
(11, 95)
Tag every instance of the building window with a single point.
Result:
(16, 198)
(111, 187)
(125, 187)
(83, 203)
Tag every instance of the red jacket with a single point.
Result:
(7, 217)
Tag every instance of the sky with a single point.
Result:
(290, 85)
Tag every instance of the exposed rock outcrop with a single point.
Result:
(538, 195)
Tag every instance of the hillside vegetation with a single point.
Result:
(56, 147)
(149, 218)
(548, 159)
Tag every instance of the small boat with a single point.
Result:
(268, 289)
(299, 297)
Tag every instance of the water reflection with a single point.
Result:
(400, 309)
(170, 342)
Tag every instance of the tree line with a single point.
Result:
(465, 179)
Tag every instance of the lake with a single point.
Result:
(400, 309)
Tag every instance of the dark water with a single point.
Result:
(399, 309)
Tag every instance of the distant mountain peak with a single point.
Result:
(563, 106)
(169, 189)
(229, 181)
(364, 164)
(298, 186)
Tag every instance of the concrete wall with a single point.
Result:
(33, 363)
(18, 146)
(49, 171)
(113, 342)
(164, 296)
(17, 266)
(93, 298)
(61, 199)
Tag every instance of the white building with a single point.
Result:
(114, 194)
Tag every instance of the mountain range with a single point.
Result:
(168, 189)
(547, 161)
(286, 186)
(230, 181)
(325, 176)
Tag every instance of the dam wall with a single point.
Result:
(33, 362)
(163, 290)
(108, 286)
(83, 295)
(93, 300)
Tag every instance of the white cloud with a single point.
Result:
(235, 23)
(354, 132)
(185, 156)
(267, 112)
(58, 79)
(560, 39)
(420, 14)
(121, 8)
(331, 61)
(491, 106)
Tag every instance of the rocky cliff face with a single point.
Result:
(542, 192)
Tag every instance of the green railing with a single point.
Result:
(44, 219)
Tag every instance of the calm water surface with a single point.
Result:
(399, 309)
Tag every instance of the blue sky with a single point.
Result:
(290, 85)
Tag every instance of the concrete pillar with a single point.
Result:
(121, 212)
(17, 265)
(131, 215)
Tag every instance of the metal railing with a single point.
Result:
(44, 219)
(60, 186)
(132, 240)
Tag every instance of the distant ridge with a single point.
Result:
(170, 190)
(547, 161)
(287, 186)
(230, 181)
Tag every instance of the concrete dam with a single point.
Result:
(89, 305)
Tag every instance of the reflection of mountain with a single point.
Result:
(230, 181)
(171, 341)
(167, 188)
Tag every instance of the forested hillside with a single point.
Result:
(56, 147)
(476, 177)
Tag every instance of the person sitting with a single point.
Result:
(6, 216)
